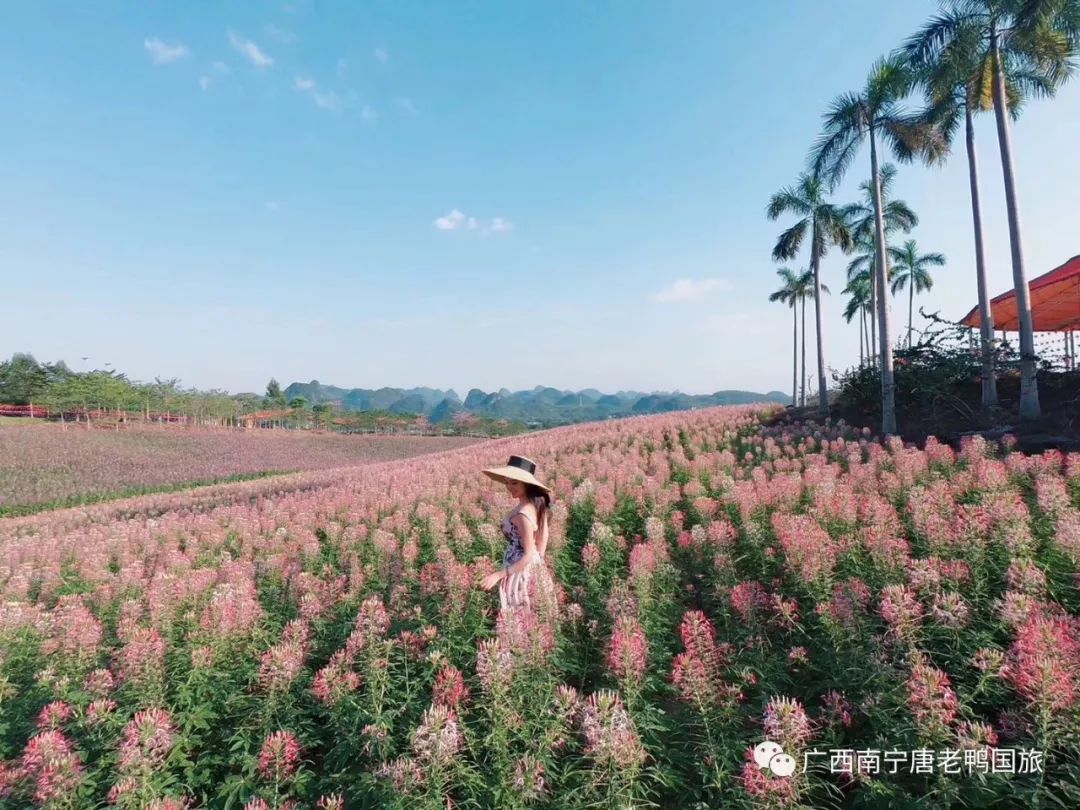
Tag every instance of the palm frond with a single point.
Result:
(789, 242)
(924, 47)
(833, 151)
(787, 201)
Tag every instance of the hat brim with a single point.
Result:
(506, 474)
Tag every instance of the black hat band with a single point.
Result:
(521, 464)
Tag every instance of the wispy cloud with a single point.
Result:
(162, 53)
(382, 56)
(217, 70)
(342, 65)
(686, 289)
(282, 35)
(273, 206)
(458, 221)
(407, 105)
(250, 51)
(325, 99)
(369, 113)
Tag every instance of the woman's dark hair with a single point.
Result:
(541, 500)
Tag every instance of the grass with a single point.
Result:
(22, 510)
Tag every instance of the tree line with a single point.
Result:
(972, 57)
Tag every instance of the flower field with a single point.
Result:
(318, 641)
(44, 464)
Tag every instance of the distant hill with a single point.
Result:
(542, 406)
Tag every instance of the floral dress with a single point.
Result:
(515, 589)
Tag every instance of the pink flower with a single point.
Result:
(438, 738)
(334, 682)
(54, 715)
(611, 739)
(628, 650)
(749, 599)
(931, 699)
(590, 557)
(99, 683)
(279, 757)
(1044, 662)
(49, 760)
(772, 791)
(901, 611)
(529, 779)
(836, 709)
(450, 689)
(147, 740)
(786, 723)
(99, 709)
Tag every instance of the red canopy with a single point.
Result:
(1055, 303)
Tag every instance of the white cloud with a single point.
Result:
(451, 222)
(407, 105)
(341, 66)
(220, 67)
(273, 205)
(325, 99)
(369, 113)
(688, 289)
(204, 82)
(382, 55)
(162, 53)
(456, 221)
(250, 51)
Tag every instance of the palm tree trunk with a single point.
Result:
(865, 334)
(1029, 386)
(873, 315)
(910, 309)
(802, 378)
(823, 392)
(794, 355)
(859, 328)
(888, 381)
(986, 315)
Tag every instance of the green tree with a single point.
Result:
(788, 294)
(898, 216)
(913, 271)
(22, 380)
(998, 50)
(827, 226)
(873, 114)
(859, 303)
(275, 397)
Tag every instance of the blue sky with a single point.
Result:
(454, 194)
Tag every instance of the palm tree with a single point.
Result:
(827, 226)
(873, 114)
(898, 216)
(1008, 45)
(913, 272)
(789, 294)
(858, 290)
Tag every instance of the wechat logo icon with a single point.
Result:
(770, 755)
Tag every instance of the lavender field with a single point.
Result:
(43, 464)
(900, 625)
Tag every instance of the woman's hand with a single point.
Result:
(491, 580)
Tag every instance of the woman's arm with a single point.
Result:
(541, 545)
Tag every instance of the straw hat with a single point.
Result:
(518, 468)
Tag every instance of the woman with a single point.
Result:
(526, 530)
